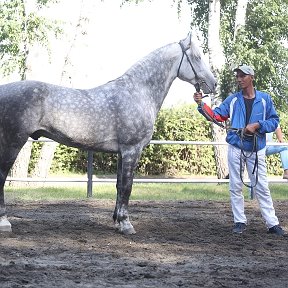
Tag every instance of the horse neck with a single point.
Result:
(155, 73)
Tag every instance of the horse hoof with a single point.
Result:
(125, 228)
(129, 231)
(5, 225)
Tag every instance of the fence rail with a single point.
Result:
(90, 179)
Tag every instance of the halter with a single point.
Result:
(197, 85)
(188, 59)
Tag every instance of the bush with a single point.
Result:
(183, 123)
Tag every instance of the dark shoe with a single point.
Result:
(276, 230)
(239, 228)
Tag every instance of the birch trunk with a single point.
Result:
(21, 164)
(44, 162)
(240, 16)
(217, 61)
(20, 167)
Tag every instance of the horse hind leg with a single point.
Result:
(118, 188)
(5, 225)
(7, 158)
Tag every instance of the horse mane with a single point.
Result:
(155, 55)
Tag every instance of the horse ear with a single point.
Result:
(187, 41)
(189, 35)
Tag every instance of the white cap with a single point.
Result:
(245, 69)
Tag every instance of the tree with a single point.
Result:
(260, 42)
(217, 61)
(20, 28)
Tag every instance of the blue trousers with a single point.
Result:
(283, 150)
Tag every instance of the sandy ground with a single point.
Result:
(178, 244)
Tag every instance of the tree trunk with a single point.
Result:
(20, 167)
(43, 165)
(220, 151)
(21, 164)
(240, 16)
(217, 61)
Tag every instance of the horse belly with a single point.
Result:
(83, 133)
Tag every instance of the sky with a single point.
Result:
(115, 39)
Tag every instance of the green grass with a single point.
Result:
(141, 191)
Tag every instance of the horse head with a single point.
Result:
(192, 67)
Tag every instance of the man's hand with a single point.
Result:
(251, 128)
(197, 97)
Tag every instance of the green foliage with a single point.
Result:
(19, 30)
(183, 123)
(261, 44)
(35, 152)
(69, 159)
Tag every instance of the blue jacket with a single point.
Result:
(263, 112)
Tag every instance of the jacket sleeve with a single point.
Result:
(271, 121)
(210, 115)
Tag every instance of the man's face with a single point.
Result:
(244, 80)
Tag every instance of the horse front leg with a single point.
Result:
(8, 156)
(124, 188)
(5, 225)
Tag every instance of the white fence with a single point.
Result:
(90, 179)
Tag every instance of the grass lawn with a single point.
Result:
(141, 191)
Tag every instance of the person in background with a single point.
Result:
(252, 113)
(283, 150)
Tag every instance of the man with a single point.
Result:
(283, 150)
(251, 114)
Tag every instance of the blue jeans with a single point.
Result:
(283, 150)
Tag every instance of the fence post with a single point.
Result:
(89, 173)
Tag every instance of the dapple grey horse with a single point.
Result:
(117, 117)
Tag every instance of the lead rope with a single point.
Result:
(242, 135)
(256, 164)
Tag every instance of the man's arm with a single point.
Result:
(206, 111)
(271, 121)
(279, 134)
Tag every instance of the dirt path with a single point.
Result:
(178, 244)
